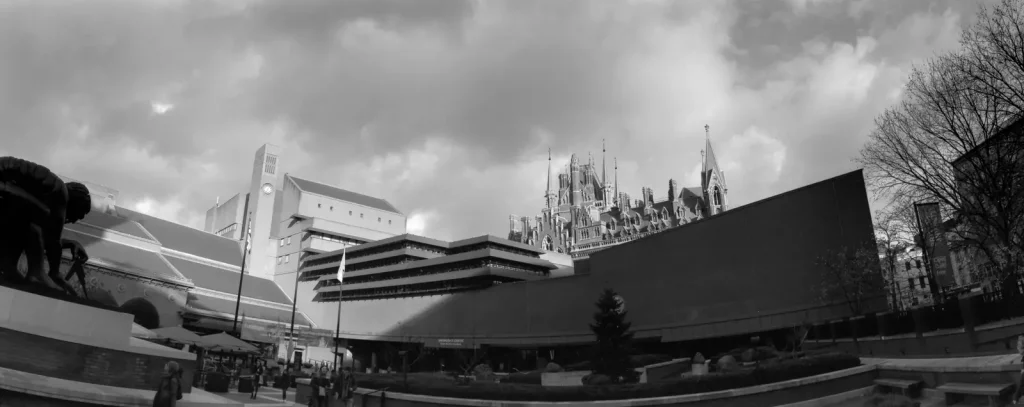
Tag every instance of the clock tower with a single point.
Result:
(266, 184)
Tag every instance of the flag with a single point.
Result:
(341, 268)
(248, 237)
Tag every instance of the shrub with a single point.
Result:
(514, 387)
(635, 361)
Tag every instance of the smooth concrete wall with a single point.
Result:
(43, 316)
(748, 270)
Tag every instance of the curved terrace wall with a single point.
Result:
(743, 271)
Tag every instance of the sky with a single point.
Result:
(448, 108)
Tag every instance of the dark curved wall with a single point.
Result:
(748, 270)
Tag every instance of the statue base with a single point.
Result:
(54, 293)
(79, 345)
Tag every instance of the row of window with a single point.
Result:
(447, 268)
(350, 213)
(921, 279)
(440, 287)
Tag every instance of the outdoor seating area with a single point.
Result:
(225, 362)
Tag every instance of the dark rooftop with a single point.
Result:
(217, 279)
(342, 194)
(187, 240)
(495, 240)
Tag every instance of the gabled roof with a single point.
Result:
(125, 258)
(206, 303)
(118, 224)
(187, 240)
(313, 187)
(225, 281)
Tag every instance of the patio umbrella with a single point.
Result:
(142, 333)
(225, 342)
(179, 334)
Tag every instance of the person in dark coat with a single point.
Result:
(169, 391)
(321, 386)
(286, 378)
(345, 387)
(257, 377)
(35, 204)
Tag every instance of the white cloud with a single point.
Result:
(419, 222)
(448, 112)
(161, 108)
(171, 209)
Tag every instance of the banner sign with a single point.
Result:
(456, 343)
(933, 238)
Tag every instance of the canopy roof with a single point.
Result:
(142, 333)
(227, 343)
(179, 334)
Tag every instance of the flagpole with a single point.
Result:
(291, 331)
(337, 327)
(241, 276)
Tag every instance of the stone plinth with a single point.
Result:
(63, 340)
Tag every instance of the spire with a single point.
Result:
(704, 152)
(547, 194)
(604, 167)
(616, 180)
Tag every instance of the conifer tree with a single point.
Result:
(613, 338)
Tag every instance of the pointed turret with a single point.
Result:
(616, 159)
(549, 195)
(712, 181)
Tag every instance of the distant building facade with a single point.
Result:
(585, 211)
(1000, 157)
(166, 274)
(410, 265)
(290, 218)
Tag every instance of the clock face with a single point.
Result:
(268, 189)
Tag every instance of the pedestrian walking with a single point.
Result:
(169, 391)
(346, 387)
(256, 380)
(286, 379)
(321, 388)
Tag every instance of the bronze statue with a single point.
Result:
(35, 204)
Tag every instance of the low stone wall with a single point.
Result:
(563, 379)
(791, 391)
(993, 338)
(666, 370)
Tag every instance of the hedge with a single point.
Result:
(635, 360)
(769, 372)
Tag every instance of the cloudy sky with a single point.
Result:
(447, 108)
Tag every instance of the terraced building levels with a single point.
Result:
(410, 265)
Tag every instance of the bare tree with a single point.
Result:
(852, 275)
(892, 233)
(955, 139)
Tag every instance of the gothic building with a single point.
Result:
(585, 211)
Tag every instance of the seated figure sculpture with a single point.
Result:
(35, 204)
